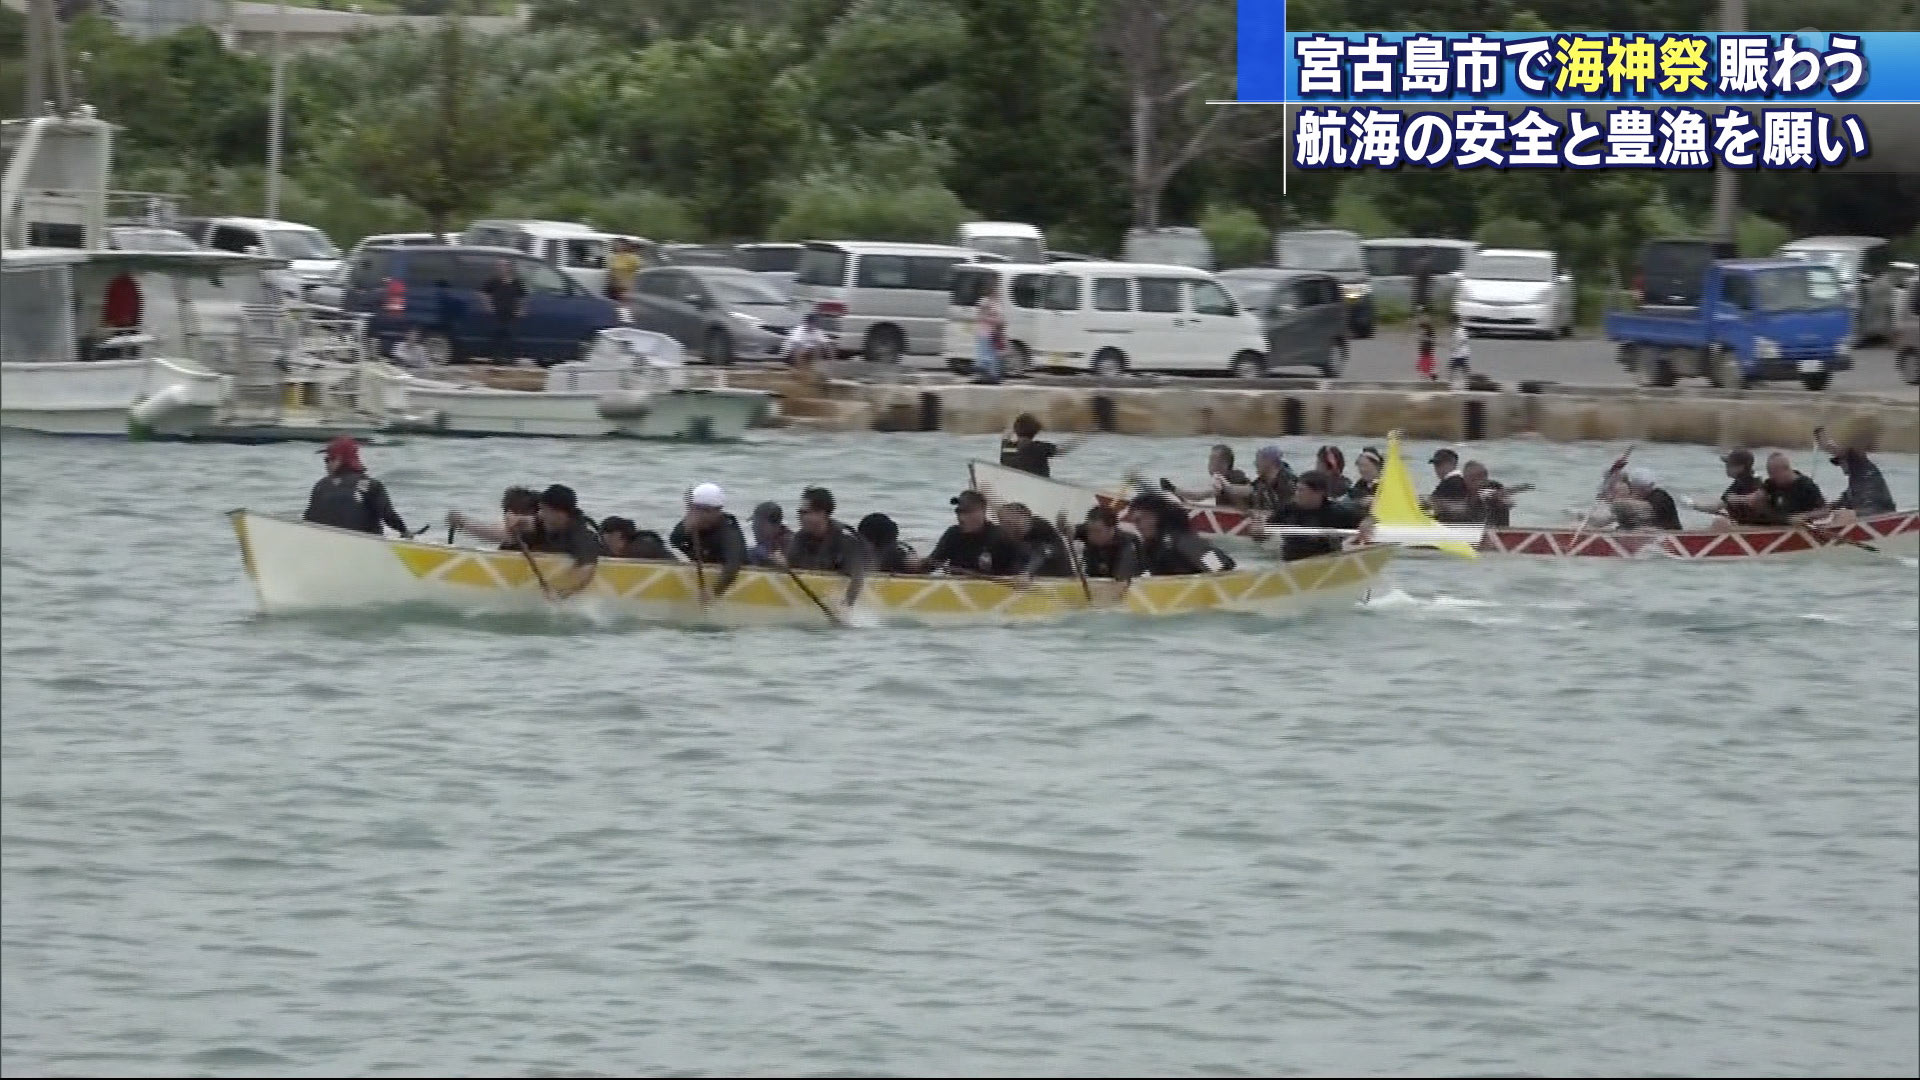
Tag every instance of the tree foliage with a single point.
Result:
(890, 119)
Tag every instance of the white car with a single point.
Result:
(311, 257)
(1510, 290)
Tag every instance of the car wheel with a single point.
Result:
(884, 345)
(1019, 361)
(1249, 365)
(1109, 363)
(1909, 365)
(719, 348)
(959, 365)
(1816, 380)
(1336, 362)
(439, 349)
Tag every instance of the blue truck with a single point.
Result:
(1750, 320)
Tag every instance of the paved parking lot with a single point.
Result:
(1581, 360)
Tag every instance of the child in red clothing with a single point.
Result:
(1426, 365)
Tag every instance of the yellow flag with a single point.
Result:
(1396, 504)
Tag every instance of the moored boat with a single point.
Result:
(296, 567)
(633, 383)
(1897, 533)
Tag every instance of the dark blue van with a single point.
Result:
(438, 289)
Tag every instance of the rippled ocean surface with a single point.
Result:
(1511, 816)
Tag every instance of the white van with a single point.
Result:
(1112, 318)
(1012, 240)
(311, 257)
(574, 249)
(881, 300)
(1019, 287)
(1180, 245)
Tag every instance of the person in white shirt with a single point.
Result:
(808, 343)
(1460, 360)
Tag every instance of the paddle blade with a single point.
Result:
(1395, 504)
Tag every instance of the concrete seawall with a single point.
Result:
(1560, 414)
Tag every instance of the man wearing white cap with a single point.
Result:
(708, 534)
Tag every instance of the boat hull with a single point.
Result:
(1892, 534)
(110, 397)
(297, 567)
(426, 406)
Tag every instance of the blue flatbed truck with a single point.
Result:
(1753, 320)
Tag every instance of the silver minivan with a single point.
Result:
(1394, 263)
(880, 300)
(1865, 265)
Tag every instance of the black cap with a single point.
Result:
(560, 497)
(1445, 453)
(969, 500)
(1740, 459)
(817, 499)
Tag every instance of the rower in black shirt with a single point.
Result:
(1168, 544)
(1314, 508)
(622, 539)
(568, 533)
(974, 545)
(1227, 486)
(1106, 550)
(824, 544)
(1867, 493)
(1272, 485)
(1452, 499)
(1044, 548)
(1644, 504)
(347, 498)
(1739, 504)
(1024, 451)
(519, 521)
(1787, 496)
(1369, 465)
(710, 535)
(891, 555)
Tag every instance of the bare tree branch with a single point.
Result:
(1182, 90)
(1195, 144)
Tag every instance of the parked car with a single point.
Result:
(311, 257)
(1906, 334)
(330, 293)
(1393, 264)
(698, 255)
(1336, 252)
(1508, 290)
(570, 247)
(1014, 241)
(777, 263)
(1672, 270)
(1302, 311)
(437, 290)
(723, 313)
(1865, 266)
(1113, 318)
(1757, 319)
(149, 238)
(881, 300)
(1069, 256)
(1020, 288)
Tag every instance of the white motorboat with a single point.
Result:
(632, 383)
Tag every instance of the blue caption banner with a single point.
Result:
(1570, 68)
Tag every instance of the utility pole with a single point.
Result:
(36, 98)
(1726, 182)
(277, 109)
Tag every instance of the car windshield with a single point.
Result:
(1510, 268)
(153, 240)
(1319, 251)
(1250, 295)
(1837, 259)
(300, 244)
(1014, 248)
(734, 292)
(1796, 289)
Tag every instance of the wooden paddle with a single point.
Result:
(1834, 536)
(699, 567)
(521, 543)
(1066, 536)
(831, 615)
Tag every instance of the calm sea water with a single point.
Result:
(1510, 816)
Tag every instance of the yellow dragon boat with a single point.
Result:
(295, 567)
